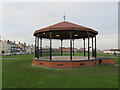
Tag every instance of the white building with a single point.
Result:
(107, 51)
(111, 51)
(7, 46)
(30, 49)
(3, 46)
(117, 51)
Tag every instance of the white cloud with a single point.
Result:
(59, 0)
(108, 41)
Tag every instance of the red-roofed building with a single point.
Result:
(66, 49)
(63, 49)
(107, 51)
(112, 51)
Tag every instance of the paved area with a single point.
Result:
(66, 58)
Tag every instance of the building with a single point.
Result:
(63, 49)
(115, 51)
(11, 46)
(107, 51)
(22, 47)
(111, 51)
(67, 49)
(81, 50)
(19, 45)
(4, 46)
(8, 47)
(29, 49)
(100, 51)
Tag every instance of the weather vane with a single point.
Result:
(64, 17)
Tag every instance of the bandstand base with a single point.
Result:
(75, 63)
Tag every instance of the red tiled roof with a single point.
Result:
(106, 50)
(65, 26)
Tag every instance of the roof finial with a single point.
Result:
(64, 17)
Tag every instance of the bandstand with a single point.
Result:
(66, 31)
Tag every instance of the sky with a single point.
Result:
(21, 19)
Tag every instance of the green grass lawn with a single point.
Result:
(19, 73)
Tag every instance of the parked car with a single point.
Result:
(8, 54)
(23, 53)
(5, 54)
